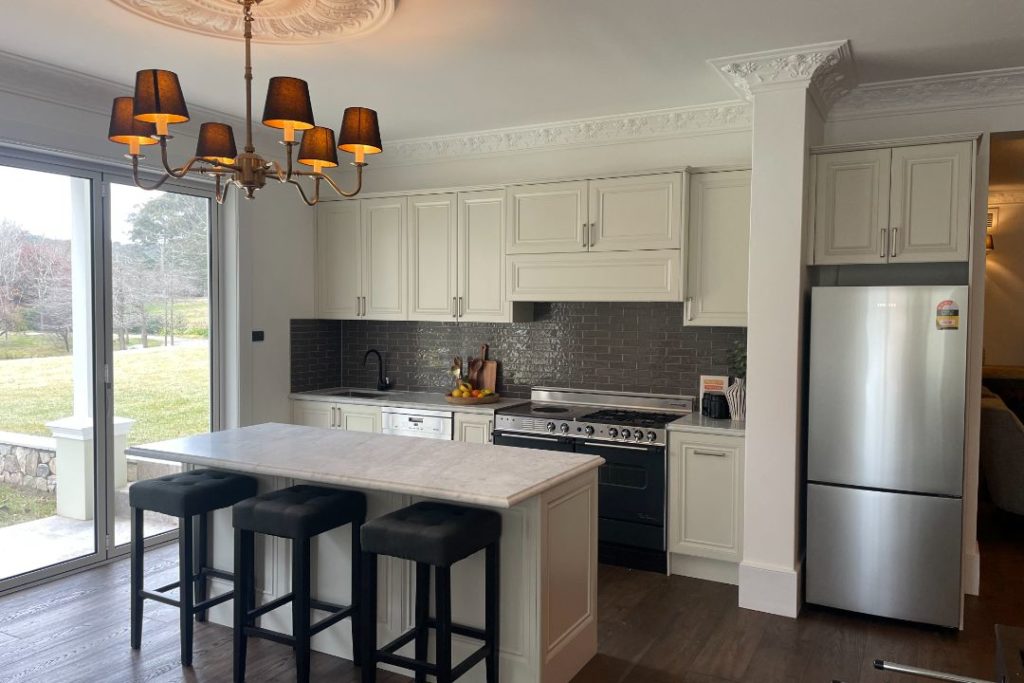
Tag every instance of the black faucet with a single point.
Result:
(383, 383)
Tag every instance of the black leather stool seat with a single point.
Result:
(190, 493)
(299, 511)
(432, 533)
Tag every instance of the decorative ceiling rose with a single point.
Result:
(278, 21)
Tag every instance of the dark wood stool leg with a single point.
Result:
(357, 587)
(244, 566)
(422, 614)
(136, 577)
(492, 605)
(185, 560)
(300, 606)
(443, 610)
(368, 617)
(202, 558)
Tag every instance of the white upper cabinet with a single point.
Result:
(901, 204)
(547, 218)
(339, 286)
(930, 218)
(717, 238)
(384, 259)
(433, 257)
(643, 212)
(852, 207)
(481, 262)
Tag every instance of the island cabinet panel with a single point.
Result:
(706, 504)
(473, 428)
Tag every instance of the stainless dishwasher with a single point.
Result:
(424, 424)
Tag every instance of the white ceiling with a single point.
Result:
(449, 66)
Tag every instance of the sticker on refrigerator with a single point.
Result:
(947, 315)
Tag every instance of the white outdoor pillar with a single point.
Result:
(789, 89)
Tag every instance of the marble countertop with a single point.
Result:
(480, 474)
(404, 399)
(695, 423)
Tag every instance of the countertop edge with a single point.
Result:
(384, 402)
(698, 424)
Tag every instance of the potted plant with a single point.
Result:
(736, 393)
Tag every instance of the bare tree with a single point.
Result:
(12, 275)
(48, 287)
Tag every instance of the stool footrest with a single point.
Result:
(267, 634)
(406, 662)
(216, 573)
(168, 587)
(160, 597)
(271, 606)
(398, 642)
(338, 612)
(471, 661)
(214, 601)
(387, 654)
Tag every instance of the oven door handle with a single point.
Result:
(622, 447)
(548, 439)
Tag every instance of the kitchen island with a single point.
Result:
(548, 504)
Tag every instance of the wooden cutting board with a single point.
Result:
(487, 378)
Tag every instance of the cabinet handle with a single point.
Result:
(689, 309)
(490, 431)
(357, 306)
(884, 240)
(586, 237)
(364, 306)
(462, 307)
(455, 307)
(892, 248)
(715, 454)
(333, 422)
(592, 233)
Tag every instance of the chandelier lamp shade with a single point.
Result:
(159, 103)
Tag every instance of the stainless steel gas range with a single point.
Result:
(629, 431)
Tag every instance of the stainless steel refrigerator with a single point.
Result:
(886, 450)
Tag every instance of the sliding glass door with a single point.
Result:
(106, 326)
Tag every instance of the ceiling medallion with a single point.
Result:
(279, 21)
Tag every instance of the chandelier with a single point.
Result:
(158, 103)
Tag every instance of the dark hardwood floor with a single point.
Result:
(653, 629)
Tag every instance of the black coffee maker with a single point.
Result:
(714, 405)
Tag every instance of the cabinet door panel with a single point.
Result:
(636, 213)
(718, 234)
(547, 218)
(851, 207)
(473, 428)
(609, 276)
(433, 257)
(356, 418)
(482, 256)
(705, 497)
(931, 202)
(339, 260)
(384, 258)
(313, 414)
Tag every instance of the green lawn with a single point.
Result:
(19, 505)
(165, 390)
(30, 345)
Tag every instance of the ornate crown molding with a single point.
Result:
(661, 123)
(997, 87)
(276, 21)
(826, 69)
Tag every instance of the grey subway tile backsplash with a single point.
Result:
(315, 354)
(604, 346)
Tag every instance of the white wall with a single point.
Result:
(1004, 288)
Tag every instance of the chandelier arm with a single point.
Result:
(179, 172)
(288, 153)
(343, 193)
(138, 181)
(302, 192)
(222, 190)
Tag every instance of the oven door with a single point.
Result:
(631, 499)
(537, 441)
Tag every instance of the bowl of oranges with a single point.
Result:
(465, 394)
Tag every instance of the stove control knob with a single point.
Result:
(588, 430)
(651, 436)
(564, 428)
(638, 435)
(613, 432)
(626, 434)
(551, 426)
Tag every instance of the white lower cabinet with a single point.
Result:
(347, 416)
(473, 428)
(705, 503)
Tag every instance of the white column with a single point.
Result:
(789, 89)
(80, 221)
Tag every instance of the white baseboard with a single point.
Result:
(771, 589)
(704, 568)
(972, 570)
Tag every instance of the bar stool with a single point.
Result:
(433, 535)
(297, 513)
(185, 495)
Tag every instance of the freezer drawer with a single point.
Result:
(886, 405)
(889, 554)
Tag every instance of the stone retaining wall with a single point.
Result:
(29, 467)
